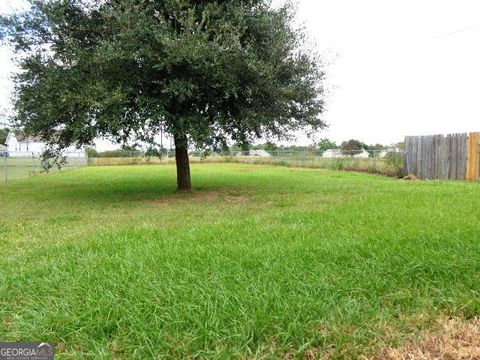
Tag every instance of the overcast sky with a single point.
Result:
(394, 68)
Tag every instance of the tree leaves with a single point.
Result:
(214, 70)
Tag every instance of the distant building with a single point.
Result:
(20, 145)
(332, 153)
(262, 153)
(337, 153)
(392, 150)
(362, 154)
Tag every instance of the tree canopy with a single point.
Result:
(3, 135)
(353, 145)
(205, 71)
(326, 144)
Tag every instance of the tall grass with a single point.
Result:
(389, 166)
(372, 165)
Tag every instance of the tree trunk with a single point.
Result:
(183, 163)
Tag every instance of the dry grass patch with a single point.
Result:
(454, 339)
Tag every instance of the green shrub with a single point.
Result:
(395, 161)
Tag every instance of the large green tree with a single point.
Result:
(352, 146)
(326, 144)
(205, 71)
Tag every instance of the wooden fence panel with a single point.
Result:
(473, 157)
(437, 157)
(462, 154)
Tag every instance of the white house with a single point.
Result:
(337, 153)
(362, 154)
(332, 153)
(390, 150)
(260, 152)
(20, 145)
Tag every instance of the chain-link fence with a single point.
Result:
(387, 162)
(23, 165)
(112, 158)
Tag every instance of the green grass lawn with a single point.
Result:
(258, 262)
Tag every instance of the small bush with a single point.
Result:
(395, 161)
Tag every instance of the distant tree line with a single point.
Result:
(349, 147)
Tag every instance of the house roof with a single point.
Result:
(22, 136)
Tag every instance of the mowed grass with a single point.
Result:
(258, 262)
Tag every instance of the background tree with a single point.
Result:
(156, 152)
(205, 71)
(325, 144)
(399, 145)
(268, 146)
(352, 147)
(3, 135)
(91, 152)
(374, 150)
(4, 130)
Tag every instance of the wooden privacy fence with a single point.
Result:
(454, 156)
(473, 157)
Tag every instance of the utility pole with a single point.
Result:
(161, 141)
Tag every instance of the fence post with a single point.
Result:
(5, 167)
(473, 158)
(33, 164)
(406, 167)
